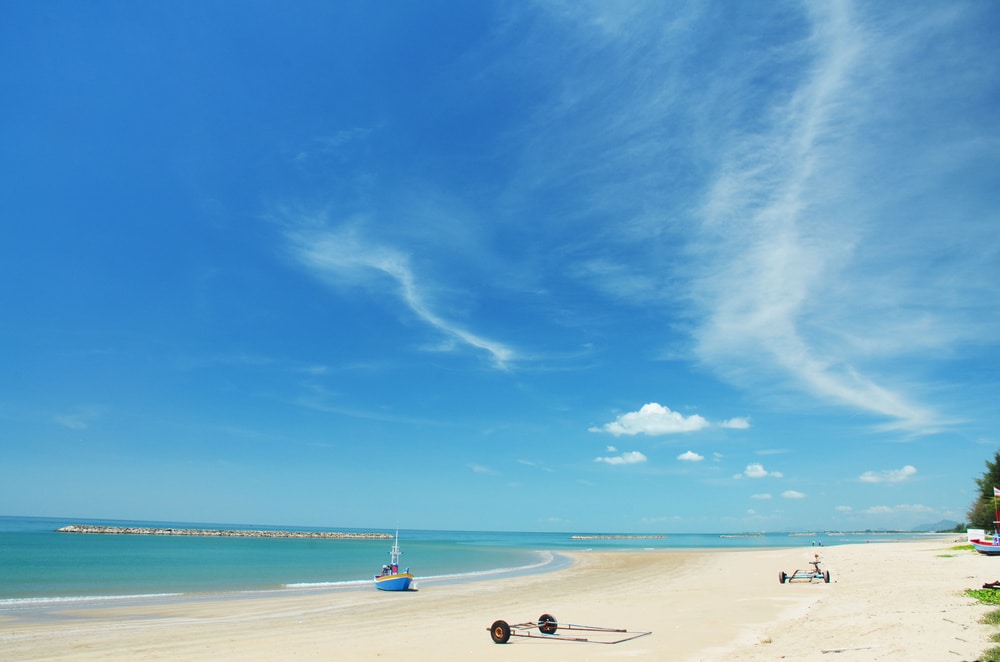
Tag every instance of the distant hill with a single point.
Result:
(943, 525)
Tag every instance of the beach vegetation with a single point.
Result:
(987, 596)
(982, 512)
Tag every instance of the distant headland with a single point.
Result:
(216, 533)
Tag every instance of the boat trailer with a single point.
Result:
(548, 628)
(806, 575)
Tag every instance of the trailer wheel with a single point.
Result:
(547, 624)
(826, 576)
(500, 632)
(782, 576)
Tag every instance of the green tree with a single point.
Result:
(981, 513)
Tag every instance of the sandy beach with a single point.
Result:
(886, 601)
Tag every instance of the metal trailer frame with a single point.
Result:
(501, 631)
(806, 575)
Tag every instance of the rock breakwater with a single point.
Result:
(216, 533)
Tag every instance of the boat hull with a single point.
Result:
(398, 582)
(986, 548)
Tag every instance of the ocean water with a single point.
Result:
(39, 565)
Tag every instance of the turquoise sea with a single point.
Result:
(39, 565)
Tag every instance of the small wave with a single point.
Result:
(14, 603)
(547, 559)
(352, 582)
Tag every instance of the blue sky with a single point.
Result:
(568, 266)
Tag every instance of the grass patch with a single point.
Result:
(991, 618)
(990, 655)
(988, 596)
(966, 548)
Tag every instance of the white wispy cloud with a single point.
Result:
(343, 257)
(80, 418)
(690, 456)
(763, 496)
(792, 494)
(796, 281)
(889, 475)
(628, 457)
(480, 469)
(757, 261)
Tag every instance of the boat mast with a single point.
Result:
(395, 553)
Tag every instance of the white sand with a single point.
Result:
(887, 601)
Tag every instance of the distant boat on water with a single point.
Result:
(391, 579)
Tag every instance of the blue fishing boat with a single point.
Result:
(391, 579)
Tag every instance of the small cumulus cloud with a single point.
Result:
(763, 497)
(736, 423)
(690, 456)
(843, 509)
(792, 494)
(889, 475)
(653, 419)
(630, 457)
(757, 470)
